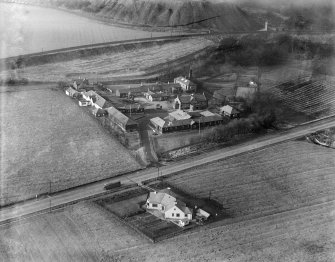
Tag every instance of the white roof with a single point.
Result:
(180, 115)
(207, 113)
(227, 108)
(158, 121)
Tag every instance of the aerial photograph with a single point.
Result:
(167, 130)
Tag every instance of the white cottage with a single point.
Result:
(165, 201)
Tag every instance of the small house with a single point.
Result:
(229, 111)
(71, 92)
(171, 208)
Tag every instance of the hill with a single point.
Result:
(162, 13)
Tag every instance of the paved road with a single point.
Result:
(77, 194)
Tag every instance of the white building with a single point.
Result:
(166, 203)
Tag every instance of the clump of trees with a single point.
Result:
(263, 112)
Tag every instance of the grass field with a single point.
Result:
(46, 137)
(281, 199)
(109, 65)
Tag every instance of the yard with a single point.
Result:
(49, 143)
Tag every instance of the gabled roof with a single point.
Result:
(158, 121)
(184, 99)
(207, 113)
(229, 109)
(71, 91)
(122, 119)
(184, 80)
(179, 115)
(199, 97)
(164, 197)
(100, 101)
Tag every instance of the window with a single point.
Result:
(173, 214)
(177, 215)
(162, 207)
(185, 215)
(154, 205)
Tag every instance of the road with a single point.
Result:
(31, 207)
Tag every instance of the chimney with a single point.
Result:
(190, 74)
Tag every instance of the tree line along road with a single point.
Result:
(30, 207)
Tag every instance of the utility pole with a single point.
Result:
(199, 125)
(49, 195)
(157, 172)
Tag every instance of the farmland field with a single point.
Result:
(132, 61)
(281, 199)
(46, 137)
(81, 232)
(313, 98)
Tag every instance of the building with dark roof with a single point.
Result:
(191, 102)
(121, 120)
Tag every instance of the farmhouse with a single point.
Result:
(191, 102)
(95, 99)
(229, 111)
(121, 120)
(186, 84)
(172, 209)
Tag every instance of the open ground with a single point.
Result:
(281, 202)
(49, 143)
(123, 62)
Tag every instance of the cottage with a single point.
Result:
(171, 209)
(191, 102)
(186, 84)
(229, 111)
(118, 118)
(71, 92)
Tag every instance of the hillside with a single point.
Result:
(164, 13)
